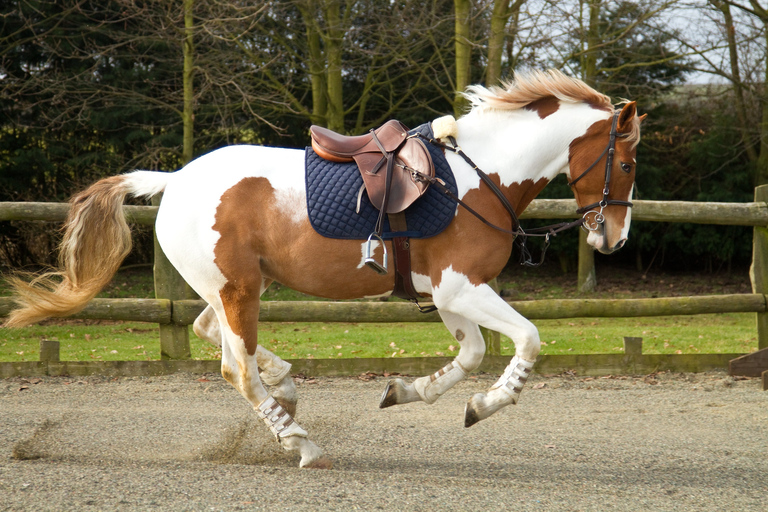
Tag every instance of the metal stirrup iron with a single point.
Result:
(370, 261)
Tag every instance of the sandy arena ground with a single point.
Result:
(690, 442)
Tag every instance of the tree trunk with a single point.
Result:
(333, 51)
(188, 111)
(738, 86)
(502, 12)
(589, 58)
(317, 76)
(586, 280)
(761, 170)
(463, 12)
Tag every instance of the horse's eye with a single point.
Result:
(626, 168)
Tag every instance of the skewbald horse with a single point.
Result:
(235, 220)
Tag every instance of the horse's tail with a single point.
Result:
(96, 241)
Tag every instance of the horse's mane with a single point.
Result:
(528, 87)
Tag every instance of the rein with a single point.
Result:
(517, 231)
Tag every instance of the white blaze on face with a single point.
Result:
(628, 216)
(598, 237)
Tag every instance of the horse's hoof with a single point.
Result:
(471, 415)
(321, 463)
(389, 397)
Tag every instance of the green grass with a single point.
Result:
(127, 341)
(721, 333)
(91, 340)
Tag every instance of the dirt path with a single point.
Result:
(672, 442)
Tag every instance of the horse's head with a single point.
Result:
(602, 176)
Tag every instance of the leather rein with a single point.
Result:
(546, 231)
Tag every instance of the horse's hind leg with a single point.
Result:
(274, 372)
(431, 387)
(238, 319)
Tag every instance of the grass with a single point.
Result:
(721, 333)
(96, 340)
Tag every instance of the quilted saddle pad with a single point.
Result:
(332, 190)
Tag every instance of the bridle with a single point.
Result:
(547, 231)
(605, 201)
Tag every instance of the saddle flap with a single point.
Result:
(406, 186)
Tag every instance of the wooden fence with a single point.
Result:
(173, 311)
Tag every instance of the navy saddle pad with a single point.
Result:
(332, 190)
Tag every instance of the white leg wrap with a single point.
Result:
(273, 369)
(278, 420)
(431, 387)
(514, 378)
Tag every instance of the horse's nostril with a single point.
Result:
(620, 244)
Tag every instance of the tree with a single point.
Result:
(503, 25)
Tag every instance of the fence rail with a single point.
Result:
(737, 214)
(173, 312)
(184, 312)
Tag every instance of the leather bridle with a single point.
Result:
(547, 231)
(605, 201)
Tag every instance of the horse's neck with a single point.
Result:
(517, 146)
(523, 150)
(514, 155)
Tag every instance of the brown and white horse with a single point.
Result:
(235, 220)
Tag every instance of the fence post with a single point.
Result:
(174, 339)
(758, 272)
(492, 338)
(587, 279)
(49, 351)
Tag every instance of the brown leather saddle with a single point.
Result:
(386, 158)
(396, 170)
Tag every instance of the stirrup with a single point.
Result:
(370, 261)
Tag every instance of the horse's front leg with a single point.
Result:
(428, 389)
(480, 304)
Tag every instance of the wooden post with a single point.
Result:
(765, 380)
(174, 339)
(758, 272)
(633, 346)
(49, 350)
(492, 338)
(587, 279)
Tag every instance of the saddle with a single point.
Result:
(396, 170)
(387, 149)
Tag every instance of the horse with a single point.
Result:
(235, 220)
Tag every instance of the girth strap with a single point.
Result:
(402, 258)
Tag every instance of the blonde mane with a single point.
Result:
(528, 87)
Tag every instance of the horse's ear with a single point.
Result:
(642, 117)
(627, 116)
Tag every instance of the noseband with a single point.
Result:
(589, 209)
